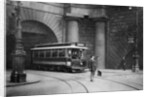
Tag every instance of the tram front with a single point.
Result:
(78, 61)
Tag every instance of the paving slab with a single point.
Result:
(31, 79)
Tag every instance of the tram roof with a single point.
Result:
(59, 44)
(59, 47)
(72, 45)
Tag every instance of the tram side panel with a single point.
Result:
(59, 64)
(50, 63)
(55, 60)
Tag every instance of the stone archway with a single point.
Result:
(34, 32)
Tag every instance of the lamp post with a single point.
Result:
(18, 55)
(134, 39)
(136, 54)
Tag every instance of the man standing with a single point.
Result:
(92, 67)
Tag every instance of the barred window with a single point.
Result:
(54, 53)
(61, 53)
(48, 53)
(41, 54)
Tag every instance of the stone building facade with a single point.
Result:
(104, 29)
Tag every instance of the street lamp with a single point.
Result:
(134, 40)
(18, 55)
(136, 54)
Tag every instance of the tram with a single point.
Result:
(68, 57)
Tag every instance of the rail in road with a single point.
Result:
(66, 82)
(124, 83)
(83, 85)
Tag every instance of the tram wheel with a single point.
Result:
(34, 67)
(49, 68)
(52, 68)
(69, 70)
(45, 68)
(58, 68)
(73, 70)
(39, 67)
(64, 69)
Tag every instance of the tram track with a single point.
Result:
(48, 76)
(58, 82)
(72, 87)
(118, 82)
(86, 89)
(66, 82)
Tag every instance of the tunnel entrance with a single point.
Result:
(33, 32)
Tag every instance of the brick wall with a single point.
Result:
(121, 25)
(87, 35)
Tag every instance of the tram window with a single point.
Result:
(54, 53)
(75, 53)
(44, 52)
(61, 53)
(69, 53)
(48, 53)
(35, 54)
(82, 54)
(41, 55)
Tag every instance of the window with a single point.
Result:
(35, 54)
(61, 53)
(48, 53)
(41, 54)
(69, 52)
(75, 54)
(54, 53)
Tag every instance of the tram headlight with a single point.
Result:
(81, 63)
(68, 63)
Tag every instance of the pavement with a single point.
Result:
(106, 73)
(45, 82)
(31, 79)
(132, 79)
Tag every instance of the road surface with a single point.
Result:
(49, 82)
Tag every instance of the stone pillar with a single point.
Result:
(72, 29)
(18, 56)
(100, 30)
(100, 44)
